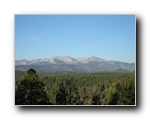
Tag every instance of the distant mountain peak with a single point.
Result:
(67, 63)
(59, 60)
(94, 57)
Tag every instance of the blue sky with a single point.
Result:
(110, 37)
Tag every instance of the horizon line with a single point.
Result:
(75, 58)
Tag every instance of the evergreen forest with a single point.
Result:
(101, 88)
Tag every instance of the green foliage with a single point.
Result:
(105, 88)
(75, 97)
(61, 95)
(30, 91)
(30, 75)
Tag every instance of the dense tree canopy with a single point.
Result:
(106, 88)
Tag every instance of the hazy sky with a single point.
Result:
(110, 37)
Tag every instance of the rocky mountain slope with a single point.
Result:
(69, 64)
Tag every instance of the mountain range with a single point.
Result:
(69, 64)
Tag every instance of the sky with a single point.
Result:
(111, 37)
